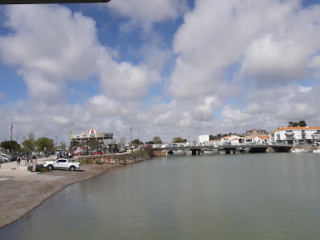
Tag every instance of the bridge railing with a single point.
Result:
(208, 145)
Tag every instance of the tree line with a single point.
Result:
(301, 123)
(157, 140)
(47, 144)
(29, 145)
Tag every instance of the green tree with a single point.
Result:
(13, 145)
(93, 143)
(302, 123)
(293, 124)
(73, 144)
(157, 140)
(63, 146)
(44, 144)
(29, 144)
(136, 142)
(179, 140)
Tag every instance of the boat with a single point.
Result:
(298, 150)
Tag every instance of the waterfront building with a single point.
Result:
(215, 143)
(203, 138)
(257, 139)
(231, 140)
(316, 137)
(295, 135)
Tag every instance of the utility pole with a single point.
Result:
(56, 143)
(11, 126)
(138, 135)
(131, 136)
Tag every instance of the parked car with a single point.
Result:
(62, 163)
(4, 158)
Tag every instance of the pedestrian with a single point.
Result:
(18, 160)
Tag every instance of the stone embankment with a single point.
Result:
(306, 148)
(126, 158)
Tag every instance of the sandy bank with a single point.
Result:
(21, 191)
(20, 194)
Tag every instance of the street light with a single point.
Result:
(50, 1)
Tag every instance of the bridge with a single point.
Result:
(228, 148)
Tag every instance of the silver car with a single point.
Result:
(4, 158)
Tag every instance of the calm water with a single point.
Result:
(242, 196)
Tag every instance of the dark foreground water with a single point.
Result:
(242, 196)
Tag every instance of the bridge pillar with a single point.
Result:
(195, 151)
(227, 150)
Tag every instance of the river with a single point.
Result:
(224, 197)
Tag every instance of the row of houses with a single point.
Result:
(283, 135)
(238, 140)
(296, 135)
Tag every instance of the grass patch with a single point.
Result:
(42, 170)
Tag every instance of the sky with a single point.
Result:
(169, 68)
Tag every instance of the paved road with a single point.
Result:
(12, 170)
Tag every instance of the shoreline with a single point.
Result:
(20, 195)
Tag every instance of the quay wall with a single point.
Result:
(125, 158)
(158, 153)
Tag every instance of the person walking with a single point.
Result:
(18, 160)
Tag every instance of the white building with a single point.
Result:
(231, 140)
(203, 138)
(257, 140)
(294, 135)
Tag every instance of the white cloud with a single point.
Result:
(275, 107)
(155, 56)
(271, 41)
(124, 81)
(314, 67)
(283, 53)
(145, 13)
(101, 105)
(277, 61)
(314, 62)
(221, 48)
(61, 120)
(50, 45)
(305, 89)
